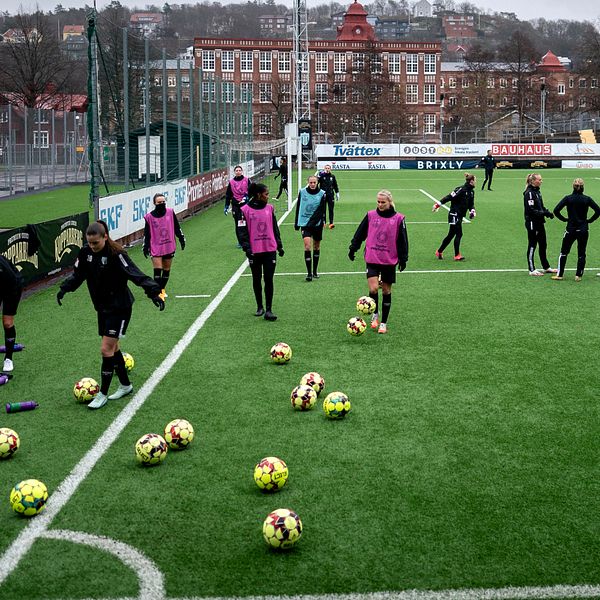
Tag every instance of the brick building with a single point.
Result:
(348, 78)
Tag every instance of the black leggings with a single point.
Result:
(536, 236)
(282, 187)
(263, 263)
(568, 240)
(489, 174)
(454, 231)
(330, 204)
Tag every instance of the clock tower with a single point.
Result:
(355, 27)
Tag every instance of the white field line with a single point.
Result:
(358, 223)
(193, 296)
(151, 580)
(423, 272)
(442, 205)
(39, 525)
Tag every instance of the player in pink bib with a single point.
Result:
(258, 234)
(386, 246)
(160, 230)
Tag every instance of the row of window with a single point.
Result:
(505, 101)
(359, 60)
(504, 82)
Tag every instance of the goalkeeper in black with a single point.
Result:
(104, 265)
(488, 162)
(577, 205)
(328, 183)
(11, 288)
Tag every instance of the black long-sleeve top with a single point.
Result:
(328, 183)
(488, 163)
(401, 242)
(10, 278)
(577, 205)
(461, 199)
(148, 233)
(318, 217)
(282, 171)
(106, 274)
(241, 229)
(535, 210)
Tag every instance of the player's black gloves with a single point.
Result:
(280, 252)
(59, 296)
(159, 302)
(182, 243)
(296, 227)
(351, 254)
(249, 255)
(146, 252)
(401, 266)
(548, 214)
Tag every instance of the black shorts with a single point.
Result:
(9, 300)
(316, 233)
(387, 272)
(171, 255)
(113, 325)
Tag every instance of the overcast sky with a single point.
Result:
(580, 10)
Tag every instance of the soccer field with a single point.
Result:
(468, 467)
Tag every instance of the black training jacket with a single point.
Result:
(577, 210)
(535, 211)
(461, 199)
(106, 275)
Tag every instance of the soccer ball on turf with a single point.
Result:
(336, 405)
(356, 326)
(179, 434)
(129, 362)
(365, 305)
(85, 389)
(151, 449)
(281, 353)
(28, 498)
(270, 474)
(303, 397)
(9, 442)
(282, 528)
(313, 380)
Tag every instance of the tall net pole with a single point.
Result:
(93, 125)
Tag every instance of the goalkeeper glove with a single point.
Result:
(351, 254)
(436, 207)
(226, 210)
(472, 213)
(337, 195)
(401, 266)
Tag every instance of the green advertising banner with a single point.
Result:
(44, 248)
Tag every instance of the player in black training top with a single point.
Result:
(488, 162)
(462, 199)
(282, 173)
(328, 183)
(535, 218)
(11, 287)
(577, 221)
(105, 267)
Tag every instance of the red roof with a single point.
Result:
(550, 62)
(355, 26)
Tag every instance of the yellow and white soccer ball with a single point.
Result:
(356, 326)
(314, 380)
(336, 405)
(365, 305)
(303, 397)
(271, 474)
(85, 389)
(179, 434)
(282, 528)
(151, 449)
(28, 498)
(129, 362)
(9, 442)
(281, 353)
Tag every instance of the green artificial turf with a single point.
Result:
(470, 457)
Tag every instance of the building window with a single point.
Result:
(358, 62)
(582, 83)
(503, 82)
(244, 123)
(354, 96)
(321, 62)
(515, 84)
(412, 64)
(358, 123)
(284, 62)
(321, 93)
(208, 60)
(412, 125)
(264, 92)
(452, 82)
(571, 83)
(428, 124)
(429, 67)
(339, 62)
(40, 139)
(339, 93)
(4, 117)
(246, 61)
(465, 101)
(246, 92)
(376, 64)
(429, 96)
(490, 83)
(561, 89)
(582, 102)
(227, 91)
(208, 91)
(503, 101)
(477, 101)
(227, 60)
(442, 83)
(264, 124)
(265, 62)
(40, 116)
(452, 101)
(490, 102)
(172, 81)
(394, 63)
(285, 92)
(376, 127)
(412, 93)
(594, 83)
(185, 81)
(465, 82)
(226, 123)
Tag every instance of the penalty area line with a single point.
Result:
(38, 526)
(442, 205)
